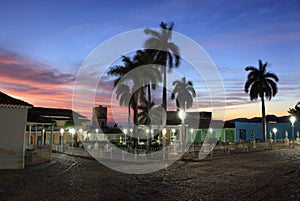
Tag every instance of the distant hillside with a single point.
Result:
(270, 118)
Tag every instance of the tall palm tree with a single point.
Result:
(120, 71)
(262, 85)
(139, 79)
(184, 93)
(151, 76)
(163, 51)
(125, 98)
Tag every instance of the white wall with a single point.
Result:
(12, 129)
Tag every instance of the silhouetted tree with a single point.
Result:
(184, 93)
(163, 51)
(295, 111)
(123, 73)
(262, 85)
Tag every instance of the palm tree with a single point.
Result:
(138, 78)
(144, 107)
(184, 93)
(262, 85)
(150, 76)
(295, 111)
(120, 71)
(125, 98)
(163, 51)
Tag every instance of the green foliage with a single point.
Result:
(184, 93)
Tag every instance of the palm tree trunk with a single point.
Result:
(164, 98)
(263, 111)
(128, 123)
(135, 120)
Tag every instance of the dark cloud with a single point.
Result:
(17, 67)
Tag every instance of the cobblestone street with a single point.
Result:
(262, 175)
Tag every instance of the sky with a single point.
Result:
(43, 44)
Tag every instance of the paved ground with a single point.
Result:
(263, 175)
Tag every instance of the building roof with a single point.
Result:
(194, 119)
(40, 114)
(8, 101)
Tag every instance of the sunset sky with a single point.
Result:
(43, 44)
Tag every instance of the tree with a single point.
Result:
(164, 52)
(136, 80)
(123, 73)
(295, 111)
(151, 74)
(125, 99)
(144, 107)
(262, 85)
(184, 93)
(150, 77)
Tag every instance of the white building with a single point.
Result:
(13, 118)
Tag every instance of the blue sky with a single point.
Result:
(56, 36)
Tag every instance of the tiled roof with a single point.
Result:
(40, 114)
(8, 101)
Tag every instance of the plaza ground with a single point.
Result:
(257, 175)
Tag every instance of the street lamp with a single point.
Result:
(173, 134)
(192, 134)
(293, 120)
(192, 138)
(148, 138)
(181, 115)
(164, 132)
(125, 132)
(72, 131)
(152, 134)
(43, 137)
(61, 139)
(275, 131)
(97, 130)
(80, 133)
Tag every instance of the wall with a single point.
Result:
(257, 130)
(12, 124)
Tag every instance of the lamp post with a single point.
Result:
(152, 133)
(125, 132)
(275, 131)
(164, 132)
(43, 137)
(173, 134)
(131, 134)
(148, 138)
(97, 131)
(293, 120)
(72, 131)
(181, 115)
(174, 150)
(192, 138)
(192, 134)
(80, 133)
(61, 139)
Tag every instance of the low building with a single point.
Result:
(244, 131)
(39, 131)
(13, 114)
(194, 119)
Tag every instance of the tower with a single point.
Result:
(99, 116)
